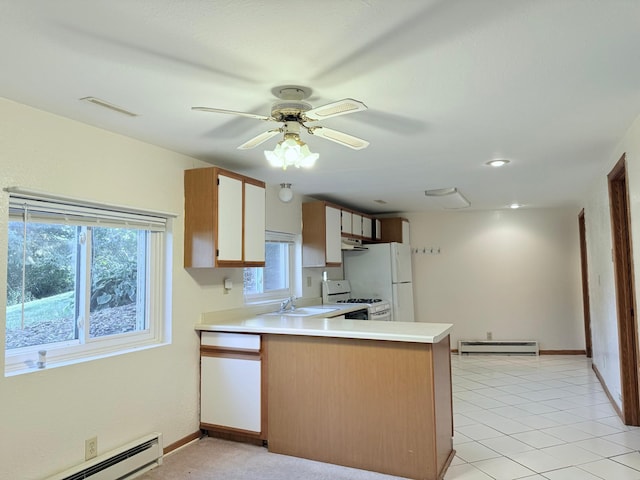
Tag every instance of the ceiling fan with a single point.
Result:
(293, 112)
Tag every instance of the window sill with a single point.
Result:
(31, 367)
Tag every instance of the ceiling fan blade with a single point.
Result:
(438, 22)
(122, 51)
(258, 139)
(391, 122)
(339, 137)
(333, 109)
(232, 112)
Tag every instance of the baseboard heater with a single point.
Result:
(127, 462)
(505, 347)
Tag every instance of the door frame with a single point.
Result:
(584, 268)
(625, 291)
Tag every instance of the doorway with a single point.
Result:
(625, 297)
(585, 284)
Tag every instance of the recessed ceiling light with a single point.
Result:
(498, 162)
(110, 106)
(515, 205)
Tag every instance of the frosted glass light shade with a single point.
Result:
(285, 194)
(291, 151)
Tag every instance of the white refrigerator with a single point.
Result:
(383, 271)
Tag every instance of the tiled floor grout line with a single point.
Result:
(537, 418)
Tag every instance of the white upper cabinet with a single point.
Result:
(356, 224)
(346, 221)
(230, 216)
(254, 223)
(224, 222)
(367, 228)
(333, 242)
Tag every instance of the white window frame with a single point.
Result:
(158, 321)
(278, 295)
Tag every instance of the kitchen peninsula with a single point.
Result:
(364, 394)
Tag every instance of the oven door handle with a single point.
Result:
(386, 315)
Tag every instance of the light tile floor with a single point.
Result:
(541, 417)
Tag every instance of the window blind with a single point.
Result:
(279, 237)
(52, 209)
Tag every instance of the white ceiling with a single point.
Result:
(551, 85)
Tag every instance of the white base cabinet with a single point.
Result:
(232, 396)
(230, 393)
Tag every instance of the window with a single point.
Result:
(274, 281)
(82, 280)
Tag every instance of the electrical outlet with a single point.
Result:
(308, 281)
(90, 448)
(489, 335)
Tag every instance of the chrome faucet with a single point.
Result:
(288, 304)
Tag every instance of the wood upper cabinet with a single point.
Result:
(224, 224)
(395, 229)
(321, 235)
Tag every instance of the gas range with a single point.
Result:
(339, 291)
(360, 300)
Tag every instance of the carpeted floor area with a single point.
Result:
(213, 459)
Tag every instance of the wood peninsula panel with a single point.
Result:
(367, 404)
(443, 403)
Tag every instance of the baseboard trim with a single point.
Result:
(607, 392)
(180, 443)
(563, 352)
(446, 465)
(234, 436)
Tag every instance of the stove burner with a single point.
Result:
(360, 300)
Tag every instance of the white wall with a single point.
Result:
(604, 320)
(45, 416)
(515, 273)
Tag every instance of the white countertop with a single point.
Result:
(415, 332)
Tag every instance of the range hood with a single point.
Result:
(352, 244)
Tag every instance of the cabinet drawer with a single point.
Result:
(240, 341)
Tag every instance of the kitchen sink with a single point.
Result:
(306, 311)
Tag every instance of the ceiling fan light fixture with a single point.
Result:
(291, 151)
